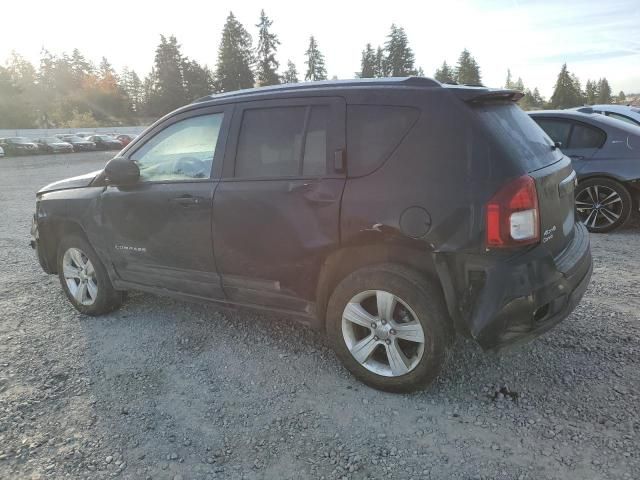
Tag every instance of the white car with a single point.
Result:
(619, 112)
(1, 152)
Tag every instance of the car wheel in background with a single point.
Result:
(602, 204)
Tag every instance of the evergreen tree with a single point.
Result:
(508, 84)
(291, 74)
(81, 67)
(168, 86)
(132, 86)
(566, 94)
(267, 45)
(316, 69)
(235, 58)
(367, 63)
(399, 56)
(467, 71)
(380, 64)
(420, 72)
(445, 74)
(519, 85)
(622, 98)
(591, 92)
(578, 87)
(537, 98)
(604, 91)
(198, 80)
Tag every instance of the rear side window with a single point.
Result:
(586, 137)
(624, 118)
(558, 130)
(373, 133)
(519, 135)
(283, 142)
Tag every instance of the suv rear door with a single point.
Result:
(277, 207)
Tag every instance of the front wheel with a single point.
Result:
(388, 326)
(602, 204)
(84, 279)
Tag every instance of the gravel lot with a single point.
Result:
(169, 390)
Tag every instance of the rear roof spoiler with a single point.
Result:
(483, 95)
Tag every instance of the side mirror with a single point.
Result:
(120, 171)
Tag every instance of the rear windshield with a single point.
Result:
(519, 135)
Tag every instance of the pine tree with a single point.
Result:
(604, 91)
(508, 84)
(445, 74)
(235, 57)
(566, 94)
(622, 98)
(198, 80)
(591, 92)
(380, 64)
(399, 56)
(291, 74)
(367, 63)
(168, 85)
(537, 98)
(316, 69)
(267, 45)
(467, 71)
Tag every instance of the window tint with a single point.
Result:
(271, 142)
(586, 137)
(373, 133)
(182, 151)
(519, 135)
(558, 130)
(315, 147)
(624, 118)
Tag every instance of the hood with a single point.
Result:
(73, 182)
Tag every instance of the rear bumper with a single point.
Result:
(514, 300)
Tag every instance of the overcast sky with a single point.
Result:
(533, 38)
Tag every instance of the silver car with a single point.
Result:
(624, 113)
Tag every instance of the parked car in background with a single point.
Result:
(1, 152)
(18, 146)
(125, 138)
(606, 156)
(85, 134)
(332, 203)
(619, 112)
(53, 145)
(105, 142)
(79, 144)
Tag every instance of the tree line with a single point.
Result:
(70, 91)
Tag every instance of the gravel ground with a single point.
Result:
(168, 390)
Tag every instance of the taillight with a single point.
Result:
(512, 215)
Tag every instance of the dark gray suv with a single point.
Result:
(390, 213)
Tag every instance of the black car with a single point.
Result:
(606, 156)
(390, 213)
(53, 145)
(79, 144)
(105, 142)
(18, 146)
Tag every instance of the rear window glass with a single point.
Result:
(373, 133)
(519, 135)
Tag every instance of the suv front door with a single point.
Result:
(158, 231)
(277, 207)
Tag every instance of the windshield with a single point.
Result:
(521, 137)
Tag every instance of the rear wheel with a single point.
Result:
(387, 325)
(602, 204)
(84, 279)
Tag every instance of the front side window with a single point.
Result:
(586, 137)
(283, 142)
(182, 151)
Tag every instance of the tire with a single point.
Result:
(602, 204)
(417, 303)
(78, 264)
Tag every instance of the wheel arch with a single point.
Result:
(350, 258)
(51, 235)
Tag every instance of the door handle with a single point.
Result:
(187, 200)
